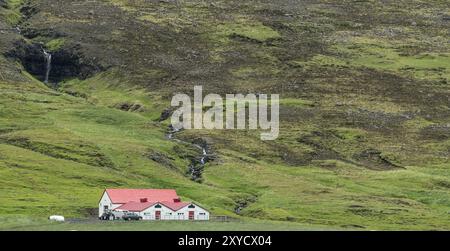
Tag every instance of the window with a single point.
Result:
(180, 213)
(202, 214)
(105, 207)
(158, 206)
(191, 206)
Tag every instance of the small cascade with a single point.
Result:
(198, 165)
(202, 160)
(195, 168)
(172, 131)
(48, 60)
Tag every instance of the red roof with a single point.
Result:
(122, 196)
(175, 206)
(141, 206)
(135, 206)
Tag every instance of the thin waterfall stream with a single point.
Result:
(205, 154)
(48, 60)
(196, 167)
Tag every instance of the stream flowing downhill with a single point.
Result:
(205, 154)
(197, 165)
(48, 67)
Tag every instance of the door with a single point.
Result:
(191, 215)
(157, 215)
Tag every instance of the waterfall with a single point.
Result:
(202, 161)
(172, 131)
(195, 168)
(48, 60)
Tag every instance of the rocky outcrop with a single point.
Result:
(31, 56)
(67, 62)
(375, 159)
(162, 159)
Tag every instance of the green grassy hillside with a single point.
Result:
(365, 109)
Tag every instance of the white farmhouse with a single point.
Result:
(151, 204)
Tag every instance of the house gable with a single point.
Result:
(197, 206)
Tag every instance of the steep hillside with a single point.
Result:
(365, 108)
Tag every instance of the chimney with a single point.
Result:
(143, 200)
(177, 200)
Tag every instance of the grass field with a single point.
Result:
(19, 224)
(60, 151)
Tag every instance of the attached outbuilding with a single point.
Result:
(151, 204)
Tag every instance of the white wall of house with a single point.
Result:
(199, 213)
(168, 214)
(105, 201)
(150, 213)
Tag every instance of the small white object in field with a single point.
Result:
(57, 218)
